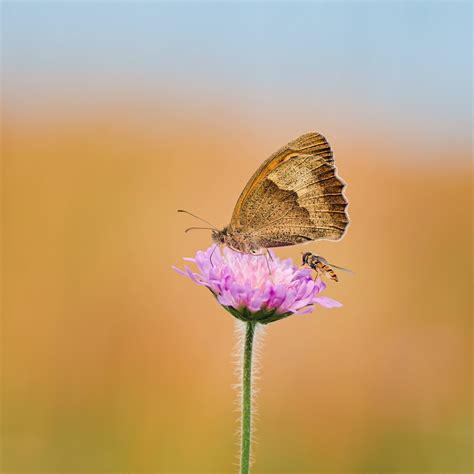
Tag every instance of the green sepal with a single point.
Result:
(264, 316)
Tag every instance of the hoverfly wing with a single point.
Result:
(339, 268)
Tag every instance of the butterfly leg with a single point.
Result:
(255, 254)
(266, 259)
(212, 253)
(268, 264)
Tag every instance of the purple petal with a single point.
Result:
(327, 302)
(195, 277)
(177, 270)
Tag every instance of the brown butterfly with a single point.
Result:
(294, 197)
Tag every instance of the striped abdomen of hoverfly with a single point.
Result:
(315, 262)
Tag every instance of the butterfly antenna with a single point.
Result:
(196, 228)
(191, 214)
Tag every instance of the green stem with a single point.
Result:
(247, 399)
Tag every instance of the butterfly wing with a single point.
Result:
(294, 197)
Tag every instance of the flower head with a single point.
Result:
(257, 288)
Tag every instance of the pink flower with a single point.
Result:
(246, 288)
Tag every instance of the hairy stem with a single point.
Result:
(247, 398)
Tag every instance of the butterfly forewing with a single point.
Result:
(294, 197)
(308, 144)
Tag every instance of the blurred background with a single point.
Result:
(115, 115)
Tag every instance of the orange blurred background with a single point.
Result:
(114, 363)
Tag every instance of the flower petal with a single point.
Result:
(327, 302)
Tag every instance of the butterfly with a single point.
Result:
(294, 197)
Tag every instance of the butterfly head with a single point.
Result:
(220, 236)
(237, 241)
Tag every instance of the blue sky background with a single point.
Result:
(396, 64)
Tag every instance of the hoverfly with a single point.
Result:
(321, 266)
